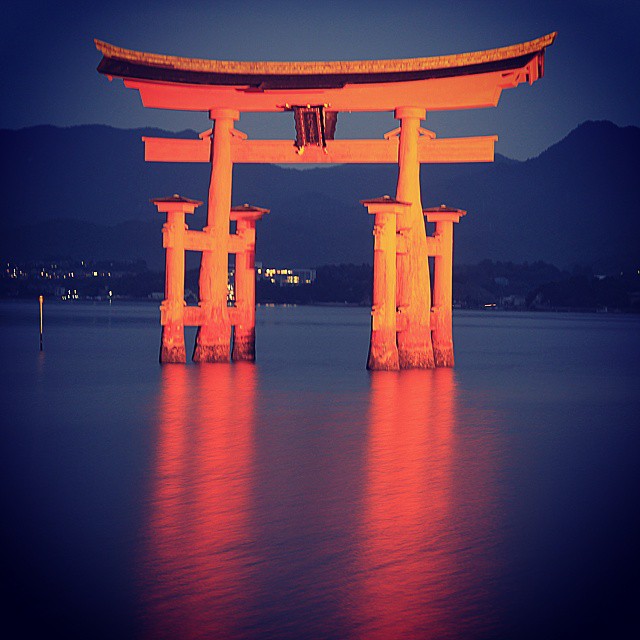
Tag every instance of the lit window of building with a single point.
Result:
(285, 277)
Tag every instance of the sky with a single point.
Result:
(591, 71)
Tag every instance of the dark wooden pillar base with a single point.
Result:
(173, 355)
(416, 354)
(244, 345)
(383, 352)
(172, 348)
(443, 355)
(210, 350)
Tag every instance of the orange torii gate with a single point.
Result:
(407, 332)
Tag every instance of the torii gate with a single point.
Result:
(403, 320)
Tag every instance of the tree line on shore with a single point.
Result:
(488, 284)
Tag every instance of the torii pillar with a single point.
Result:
(172, 347)
(244, 332)
(213, 337)
(442, 333)
(413, 295)
(383, 350)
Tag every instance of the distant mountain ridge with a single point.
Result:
(84, 192)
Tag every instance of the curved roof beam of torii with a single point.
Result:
(457, 81)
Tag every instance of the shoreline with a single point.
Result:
(351, 305)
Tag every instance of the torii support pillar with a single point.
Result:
(244, 331)
(413, 296)
(172, 348)
(442, 333)
(383, 351)
(214, 334)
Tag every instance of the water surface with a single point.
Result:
(306, 497)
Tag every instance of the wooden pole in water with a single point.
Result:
(172, 348)
(413, 291)
(244, 342)
(213, 339)
(383, 351)
(442, 330)
(40, 300)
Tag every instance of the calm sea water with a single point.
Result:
(304, 497)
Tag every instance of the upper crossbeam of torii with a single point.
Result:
(406, 330)
(461, 81)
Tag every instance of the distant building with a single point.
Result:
(285, 277)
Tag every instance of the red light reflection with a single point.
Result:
(196, 570)
(417, 570)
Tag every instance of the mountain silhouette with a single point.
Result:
(83, 192)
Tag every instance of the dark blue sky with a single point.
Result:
(592, 70)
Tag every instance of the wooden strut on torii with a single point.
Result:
(408, 331)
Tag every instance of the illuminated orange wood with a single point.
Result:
(461, 92)
(213, 340)
(172, 347)
(244, 334)
(408, 87)
(203, 241)
(460, 81)
(442, 150)
(413, 295)
(442, 330)
(383, 351)
(194, 316)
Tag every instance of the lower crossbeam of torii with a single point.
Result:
(410, 328)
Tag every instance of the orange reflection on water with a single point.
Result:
(196, 572)
(408, 548)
